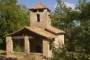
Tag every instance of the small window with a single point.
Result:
(38, 17)
(34, 10)
(41, 10)
(38, 49)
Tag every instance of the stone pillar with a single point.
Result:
(45, 48)
(27, 48)
(9, 44)
(49, 51)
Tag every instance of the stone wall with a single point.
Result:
(59, 40)
(9, 44)
(44, 18)
(46, 49)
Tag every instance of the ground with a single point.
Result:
(3, 56)
(19, 56)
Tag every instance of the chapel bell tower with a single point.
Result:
(40, 16)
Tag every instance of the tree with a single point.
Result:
(76, 24)
(12, 17)
(84, 28)
(65, 18)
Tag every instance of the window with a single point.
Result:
(38, 17)
(34, 10)
(38, 49)
(40, 10)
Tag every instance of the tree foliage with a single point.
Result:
(12, 17)
(75, 22)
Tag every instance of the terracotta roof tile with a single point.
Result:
(41, 32)
(15, 32)
(54, 30)
(36, 30)
(39, 6)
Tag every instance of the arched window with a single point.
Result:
(38, 49)
(38, 17)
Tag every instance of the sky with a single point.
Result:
(48, 3)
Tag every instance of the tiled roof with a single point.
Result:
(39, 6)
(54, 30)
(41, 32)
(36, 30)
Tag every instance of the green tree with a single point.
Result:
(83, 39)
(75, 22)
(65, 18)
(12, 17)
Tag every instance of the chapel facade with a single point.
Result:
(36, 38)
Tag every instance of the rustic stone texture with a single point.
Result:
(27, 44)
(9, 44)
(59, 40)
(49, 51)
(45, 48)
(48, 19)
(44, 18)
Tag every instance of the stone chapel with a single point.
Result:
(36, 38)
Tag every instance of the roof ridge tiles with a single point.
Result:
(39, 6)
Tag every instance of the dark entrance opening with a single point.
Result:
(35, 45)
(38, 49)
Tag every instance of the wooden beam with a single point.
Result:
(20, 37)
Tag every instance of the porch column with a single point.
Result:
(9, 44)
(45, 48)
(27, 48)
